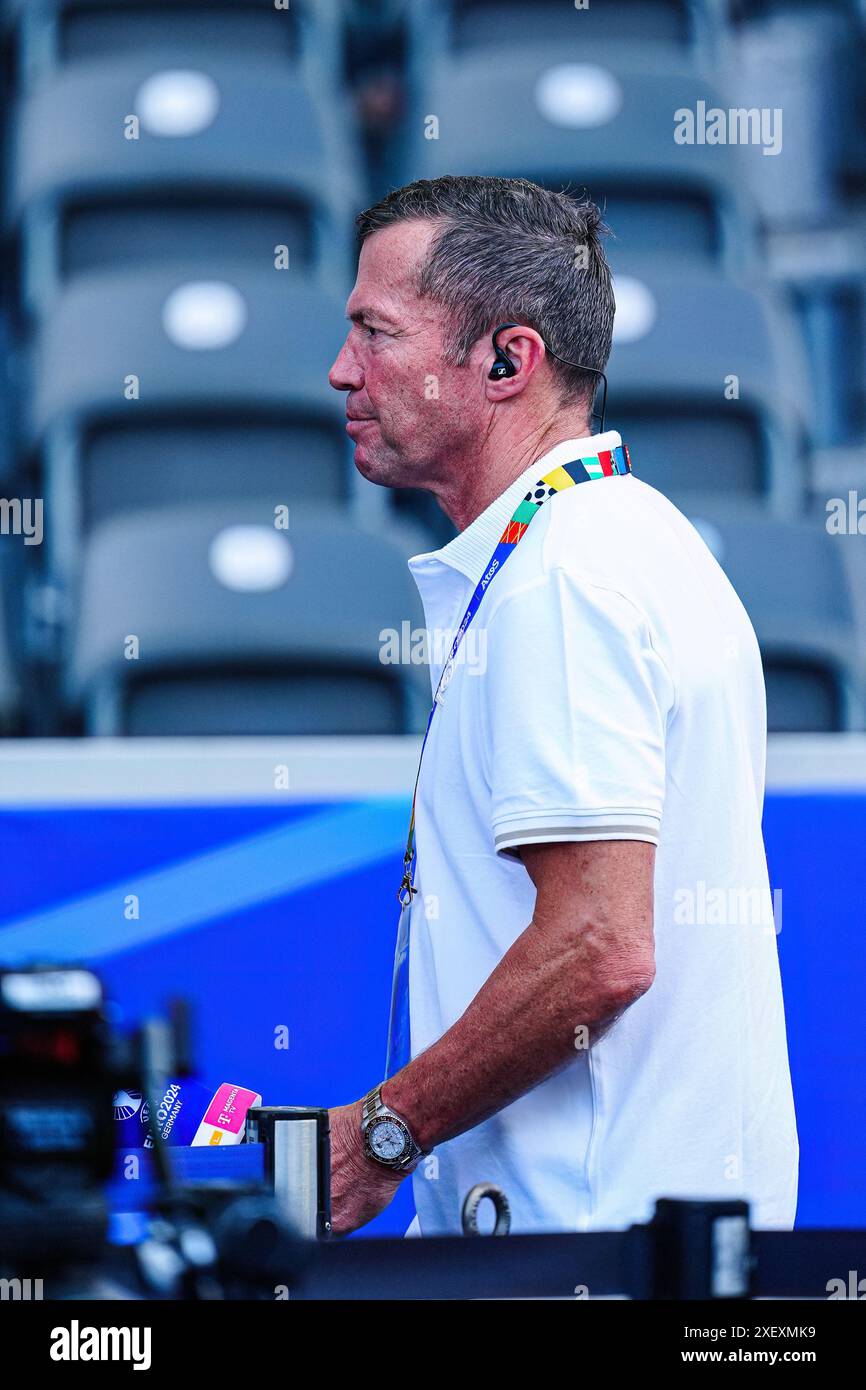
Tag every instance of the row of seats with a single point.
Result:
(47, 36)
(603, 120)
(119, 165)
(243, 627)
(805, 56)
(220, 619)
(179, 200)
(206, 179)
(162, 386)
(590, 90)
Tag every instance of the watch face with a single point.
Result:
(387, 1140)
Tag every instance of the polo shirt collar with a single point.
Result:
(470, 551)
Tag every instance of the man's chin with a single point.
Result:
(362, 462)
(369, 466)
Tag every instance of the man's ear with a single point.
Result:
(525, 350)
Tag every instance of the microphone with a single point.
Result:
(226, 1117)
(187, 1113)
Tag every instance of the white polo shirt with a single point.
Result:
(612, 690)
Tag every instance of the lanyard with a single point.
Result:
(606, 464)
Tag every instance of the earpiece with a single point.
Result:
(503, 366)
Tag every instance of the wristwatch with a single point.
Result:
(387, 1139)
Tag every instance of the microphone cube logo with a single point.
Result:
(127, 1104)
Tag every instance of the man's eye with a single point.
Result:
(372, 331)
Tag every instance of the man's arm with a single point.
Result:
(584, 958)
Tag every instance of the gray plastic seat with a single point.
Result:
(793, 582)
(682, 334)
(51, 34)
(248, 413)
(454, 26)
(265, 163)
(824, 275)
(604, 123)
(299, 655)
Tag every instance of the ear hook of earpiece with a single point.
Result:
(504, 367)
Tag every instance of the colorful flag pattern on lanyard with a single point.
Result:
(606, 464)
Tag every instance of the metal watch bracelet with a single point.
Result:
(374, 1108)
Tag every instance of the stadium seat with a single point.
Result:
(794, 584)
(836, 472)
(744, 11)
(455, 26)
(606, 126)
(797, 59)
(229, 161)
(53, 34)
(708, 385)
(824, 276)
(203, 621)
(161, 388)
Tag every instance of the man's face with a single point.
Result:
(409, 413)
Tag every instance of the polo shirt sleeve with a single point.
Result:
(577, 706)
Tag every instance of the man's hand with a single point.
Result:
(360, 1187)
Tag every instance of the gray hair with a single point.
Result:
(511, 251)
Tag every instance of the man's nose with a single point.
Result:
(346, 375)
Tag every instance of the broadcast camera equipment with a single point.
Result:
(58, 1072)
(221, 1240)
(60, 1068)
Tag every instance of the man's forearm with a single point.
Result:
(523, 1025)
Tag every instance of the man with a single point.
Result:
(581, 1036)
